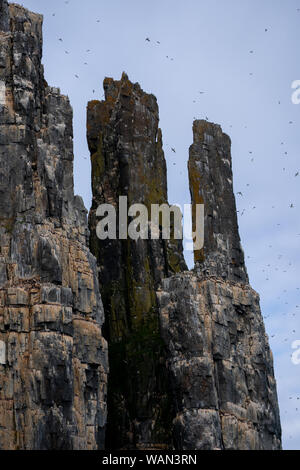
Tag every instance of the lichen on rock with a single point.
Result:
(128, 160)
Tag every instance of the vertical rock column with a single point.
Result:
(127, 160)
(53, 357)
(211, 183)
(218, 353)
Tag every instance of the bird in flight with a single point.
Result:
(147, 39)
(297, 174)
(173, 150)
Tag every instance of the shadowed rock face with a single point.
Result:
(4, 16)
(53, 367)
(128, 160)
(211, 183)
(191, 367)
(219, 359)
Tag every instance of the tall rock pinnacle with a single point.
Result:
(218, 354)
(53, 357)
(128, 160)
(211, 183)
(190, 363)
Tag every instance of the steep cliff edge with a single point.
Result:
(128, 160)
(53, 357)
(218, 353)
(190, 362)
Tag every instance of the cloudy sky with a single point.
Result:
(243, 54)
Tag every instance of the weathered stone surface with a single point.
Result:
(128, 160)
(218, 354)
(211, 183)
(191, 367)
(221, 365)
(54, 373)
(190, 362)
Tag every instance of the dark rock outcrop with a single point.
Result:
(128, 160)
(53, 364)
(190, 362)
(218, 353)
(211, 183)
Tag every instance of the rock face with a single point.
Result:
(53, 357)
(128, 160)
(218, 353)
(190, 362)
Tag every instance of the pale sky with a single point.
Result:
(244, 55)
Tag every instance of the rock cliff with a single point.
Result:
(191, 367)
(218, 353)
(190, 363)
(53, 364)
(128, 160)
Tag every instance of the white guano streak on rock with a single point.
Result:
(2, 353)
(2, 93)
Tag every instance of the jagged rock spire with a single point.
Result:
(211, 184)
(218, 354)
(128, 160)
